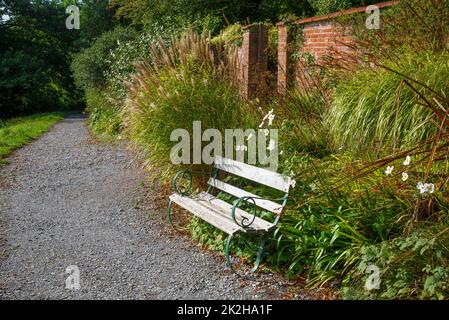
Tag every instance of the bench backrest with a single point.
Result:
(259, 175)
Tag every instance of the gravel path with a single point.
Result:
(67, 200)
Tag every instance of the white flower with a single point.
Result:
(389, 170)
(407, 161)
(272, 145)
(266, 132)
(293, 183)
(270, 119)
(268, 115)
(312, 186)
(425, 187)
(420, 187)
(281, 153)
(404, 176)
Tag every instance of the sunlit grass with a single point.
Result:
(375, 109)
(16, 132)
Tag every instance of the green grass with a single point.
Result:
(16, 132)
(375, 110)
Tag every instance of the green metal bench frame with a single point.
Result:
(244, 222)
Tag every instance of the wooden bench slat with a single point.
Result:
(203, 212)
(226, 210)
(264, 204)
(219, 213)
(260, 175)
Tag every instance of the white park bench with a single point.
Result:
(229, 217)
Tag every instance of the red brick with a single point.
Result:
(283, 56)
(254, 59)
(319, 40)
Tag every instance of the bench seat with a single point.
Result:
(219, 213)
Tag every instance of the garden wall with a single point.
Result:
(320, 37)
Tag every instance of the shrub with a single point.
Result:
(102, 70)
(413, 267)
(323, 7)
(121, 62)
(231, 35)
(173, 99)
(186, 81)
(90, 66)
(122, 59)
(329, 6)
(104, 116)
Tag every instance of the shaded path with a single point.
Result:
(66, 200)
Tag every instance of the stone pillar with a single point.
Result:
(254, 61)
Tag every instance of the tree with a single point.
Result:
(323, 7)
(97, 17)
(206, 14)
(90, 65)
(214, 15)
(35, 50)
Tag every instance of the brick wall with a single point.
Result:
(321, 37)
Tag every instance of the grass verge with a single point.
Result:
(16, 132)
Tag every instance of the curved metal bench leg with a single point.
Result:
(169, 213)
(258, 258)
(259, 254)
(228, 260)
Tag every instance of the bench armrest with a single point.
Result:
(246, 223)
(186, 175)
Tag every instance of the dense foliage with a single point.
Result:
(90, 66)
(34, 58)
(215, 15)
(36, 50)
